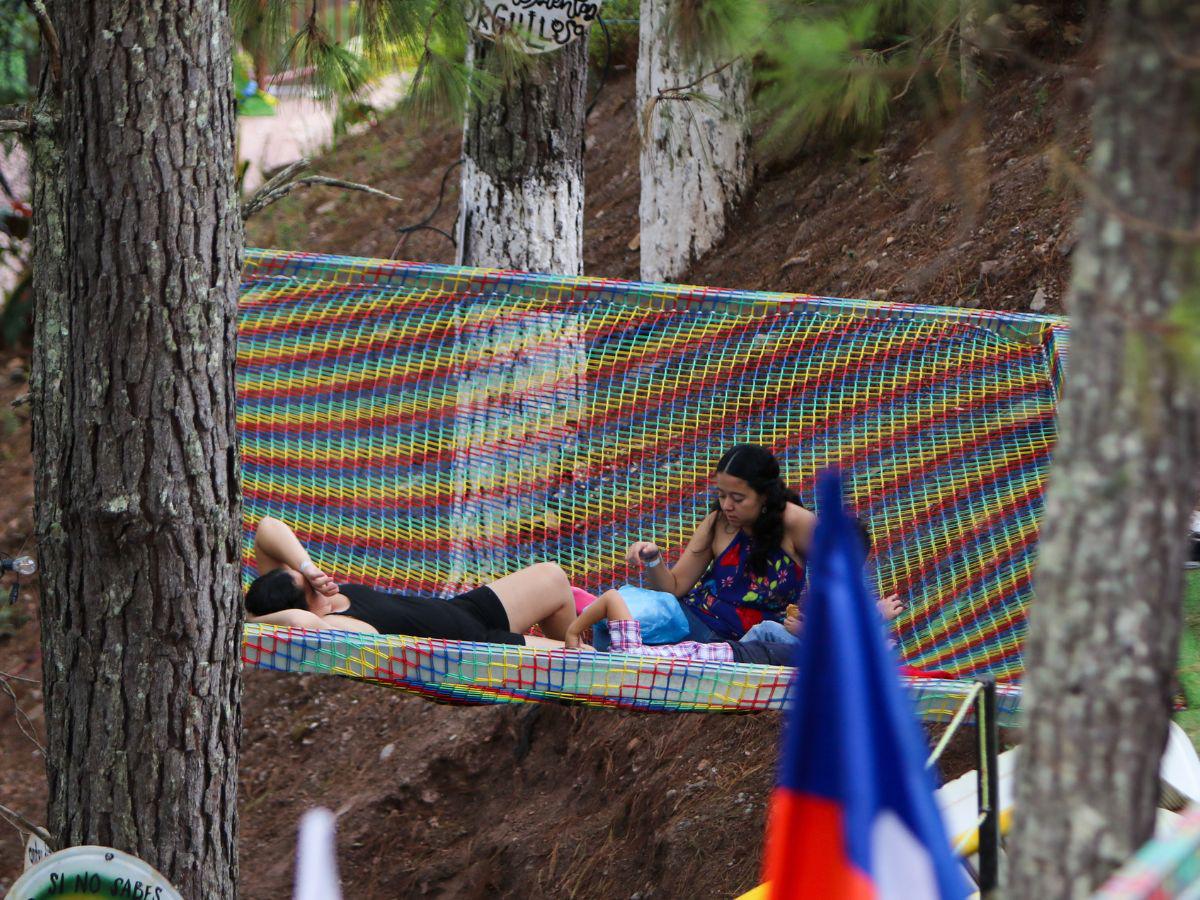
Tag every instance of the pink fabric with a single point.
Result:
(582, 599)
(627, 638)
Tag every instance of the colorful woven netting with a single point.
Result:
(464, 672)
(427, 428)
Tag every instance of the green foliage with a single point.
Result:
(620, 47)
(18, 41)
(718, 29)
(427, 37)
(836, 69)
(820, 74)
(442, 86)
(336, 70)
(405, 28)
(267, 22)
(16, 317)
(1183, 336)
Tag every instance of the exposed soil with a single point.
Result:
(554, 801)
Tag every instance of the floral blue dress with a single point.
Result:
(730, 599)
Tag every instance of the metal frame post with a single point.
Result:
(989, 786)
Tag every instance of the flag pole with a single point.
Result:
(989, 787)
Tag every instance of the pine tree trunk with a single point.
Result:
(137, 257)
(695, 159)
(522, 174)
(1105, 626)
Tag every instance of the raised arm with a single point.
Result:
(609, 605)
(275, 545)
(681, 577)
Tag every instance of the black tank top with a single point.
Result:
(401, 614)
(388, 613)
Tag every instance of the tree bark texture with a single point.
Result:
(1104, 628)
(522, 173)
(695, 157)
(137, 259)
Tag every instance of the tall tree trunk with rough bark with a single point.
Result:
(137, 257)
(1105, 625)
(695, 157)
(522, 173)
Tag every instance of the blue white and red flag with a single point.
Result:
(853, 814)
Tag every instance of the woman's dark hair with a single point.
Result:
(864, 535)
(274, 592)
(758, 467)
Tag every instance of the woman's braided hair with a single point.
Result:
(758, 467)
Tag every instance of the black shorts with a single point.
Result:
(484, 618)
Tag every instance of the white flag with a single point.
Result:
(316, 860)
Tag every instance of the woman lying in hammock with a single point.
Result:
(292, 591)
(745, 563)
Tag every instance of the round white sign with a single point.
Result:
(540, 24)
(92, 872)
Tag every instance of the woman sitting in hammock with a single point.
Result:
(745, 563)
(292, 591)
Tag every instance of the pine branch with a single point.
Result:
(50, 36)
(681, 92)
(23, 720)
(425, 48)
(286, 182)
(22, 824)
(13, 126)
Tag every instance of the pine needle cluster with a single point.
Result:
(829, 68)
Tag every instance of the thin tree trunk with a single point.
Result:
(1105, 626)
(522, 173)
(695, 158)
(137, 255)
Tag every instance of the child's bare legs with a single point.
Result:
(537, 595)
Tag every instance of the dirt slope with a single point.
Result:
(550, 801)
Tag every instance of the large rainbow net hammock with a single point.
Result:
(426, 429)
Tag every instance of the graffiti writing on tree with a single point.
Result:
(540, 24)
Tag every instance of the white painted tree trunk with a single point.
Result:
(535, 224)
(520, 384)
(695, 159)
(522, 174)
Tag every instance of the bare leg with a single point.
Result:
(542, 643)
(537, 595)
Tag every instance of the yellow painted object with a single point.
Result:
(757, 893)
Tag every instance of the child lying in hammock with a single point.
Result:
(626, 633)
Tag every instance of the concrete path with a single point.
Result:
(302, 126)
